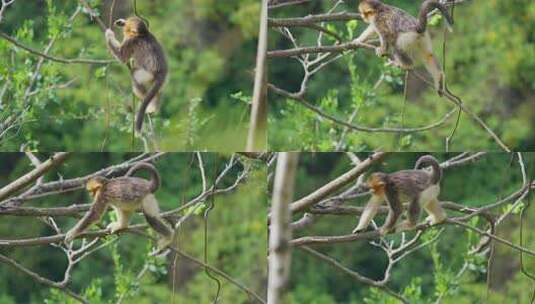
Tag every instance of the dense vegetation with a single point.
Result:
(87, 107)
(236, 237)
(489, 64)
(442, 270)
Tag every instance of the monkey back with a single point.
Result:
(126, 190)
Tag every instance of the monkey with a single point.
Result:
(148, 66)
(126, 195)
(404, 36)
(420, 187)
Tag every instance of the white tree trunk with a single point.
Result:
(280, 231)
(257, 137)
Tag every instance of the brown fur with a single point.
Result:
(126, 195)
(147, 55)
(403, 37)
(404, 185)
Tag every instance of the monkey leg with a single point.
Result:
(369, 213)
(435, 211)
(122, 220)
(152, 215)
(402, 59)
(139, 90)
(433, 67)
(413, 215)
(393, 215)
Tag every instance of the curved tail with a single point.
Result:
(158, 83)
(428, 160)
(154, 175)
(426, 8)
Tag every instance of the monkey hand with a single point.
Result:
(109, 34)
(380, 51)
(356, 230)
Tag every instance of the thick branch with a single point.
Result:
(336, 184)
(312, 19)
(33, 175)
(319, 49)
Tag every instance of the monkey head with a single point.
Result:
(95, 184)
(132, 27)
(368, 9)
(377, 182)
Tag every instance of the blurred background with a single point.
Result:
(211, 49)
(442, 271)
(237, 238)
(489, 64)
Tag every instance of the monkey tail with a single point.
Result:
(154, 175)
(158, 83)
(426, 8)
(428, 160)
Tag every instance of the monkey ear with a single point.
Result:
(120, 22)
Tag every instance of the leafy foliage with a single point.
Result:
(210, 46)
(489, 64)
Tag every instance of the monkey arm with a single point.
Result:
(93, 215)
(383, 46)
(367, 34)
(369, 212)
(121, 52)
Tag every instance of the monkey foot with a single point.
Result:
(404, 226)
(358, 230)
(160, 252)
(153, 107)
(431, 220)
(114, 227)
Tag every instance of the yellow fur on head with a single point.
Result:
(95, 184)
(376, 184)
(367, 11)
(134, 26)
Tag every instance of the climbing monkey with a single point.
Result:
(148, 64)
(405, 37)
(418, 186)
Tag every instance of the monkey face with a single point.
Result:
(132, 26)
(376, 183)
(367, 11)
(95, 184)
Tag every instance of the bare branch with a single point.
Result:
(33, 175)
(50, 57)
(336, 184)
